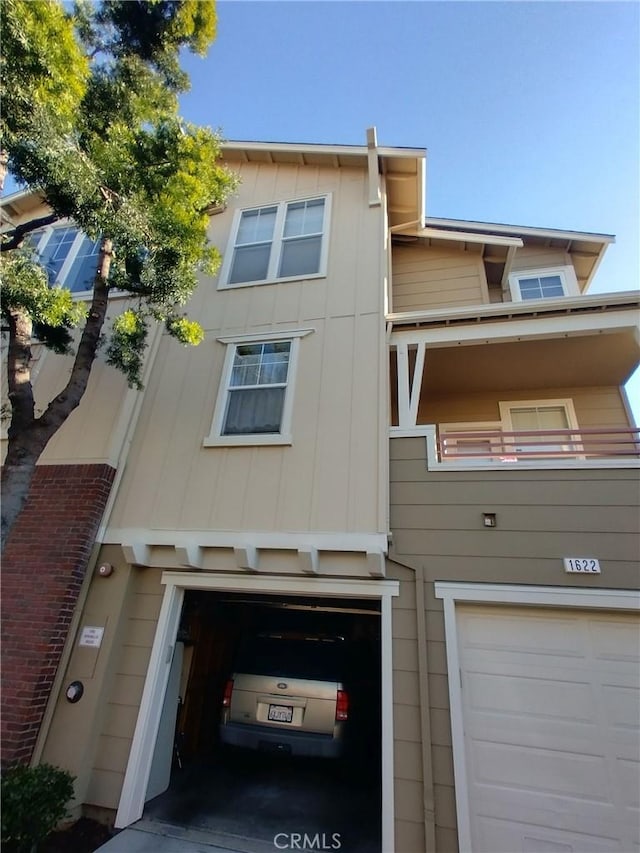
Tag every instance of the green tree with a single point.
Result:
(90, 120)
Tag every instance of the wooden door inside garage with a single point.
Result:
(551, 710)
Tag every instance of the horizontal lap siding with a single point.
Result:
(543, 516)
(433, 278)
(536, 257)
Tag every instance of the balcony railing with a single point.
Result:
(498, 446)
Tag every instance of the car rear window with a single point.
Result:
(306, 658)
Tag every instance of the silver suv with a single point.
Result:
(286, 695)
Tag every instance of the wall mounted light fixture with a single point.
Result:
(74, 692)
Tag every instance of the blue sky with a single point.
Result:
(529, 111)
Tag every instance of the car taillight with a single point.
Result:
(342, 705)
(228, 690)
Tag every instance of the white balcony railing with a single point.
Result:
(506, 447)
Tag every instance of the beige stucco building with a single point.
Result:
(424, 415)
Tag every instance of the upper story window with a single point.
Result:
(69, 256)
(278, 241)
(255, 398)
(543, 283)
(257, 387)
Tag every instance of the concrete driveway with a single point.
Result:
(260, 803)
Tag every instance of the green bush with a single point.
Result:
(34, 801)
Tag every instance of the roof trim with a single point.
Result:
(464, 236)
(524, 230)
(313, 148)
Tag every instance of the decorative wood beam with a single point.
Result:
(308, 558)
(189, 555)
(137, 553)
(376, 564)
(247, 558)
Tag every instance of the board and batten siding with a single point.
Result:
(542, 516)
(330, 478)
(425, 277)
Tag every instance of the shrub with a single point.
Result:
(34, 801)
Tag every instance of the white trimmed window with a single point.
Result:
(69, 256)
(286, 240)
(529, 417)
(255, 399)
(543, 284)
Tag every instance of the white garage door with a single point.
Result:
(551, 705)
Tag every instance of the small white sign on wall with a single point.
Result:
(91, 636)
(582, 565)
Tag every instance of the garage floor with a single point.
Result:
(250, 799)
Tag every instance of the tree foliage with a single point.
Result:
(90, 119)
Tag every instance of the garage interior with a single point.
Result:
(252, 796)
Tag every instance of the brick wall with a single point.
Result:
(43, 566)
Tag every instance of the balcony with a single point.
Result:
(485, 447)
(536, 390)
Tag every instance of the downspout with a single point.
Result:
(428, 800)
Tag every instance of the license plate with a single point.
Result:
(280, 713)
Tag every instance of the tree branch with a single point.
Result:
(20, 231)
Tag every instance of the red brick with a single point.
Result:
(43, 566)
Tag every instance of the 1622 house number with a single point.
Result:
(583, 565)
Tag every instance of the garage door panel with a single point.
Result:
(614, 641)
(628, 773)
(622, 707)
(565, 738)
(498, 836)
(513, 693)
(521, 635)
(551, 716)
(535, 771)
(551, 819)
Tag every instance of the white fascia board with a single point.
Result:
(508, 310)
(341, 587)
(330, 150)
(518, 328)
(360, 542)
(470, 237)
(526, 231)
(18, 195)
(556, 596)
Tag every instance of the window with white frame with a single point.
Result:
(69, 256)
(255, 399)
(278, 241)
(536, 421)
(543, 283)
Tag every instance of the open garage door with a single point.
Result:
(288, 636)
(250, 791)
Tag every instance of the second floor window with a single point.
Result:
(257, 386)
(278, 241)
(69, 256)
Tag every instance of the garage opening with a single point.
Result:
(273, 709)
